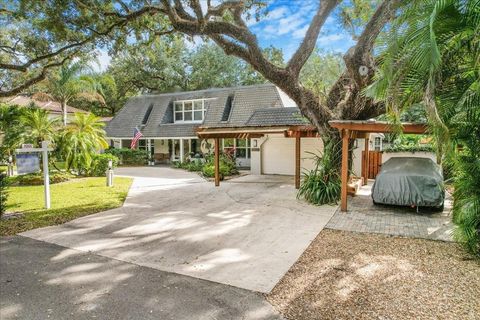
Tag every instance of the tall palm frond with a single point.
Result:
(71, 82)
(431, 57)
(81, 139)
(39, 126)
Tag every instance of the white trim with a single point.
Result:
(156, 138)
(182, 155)
(191, 112)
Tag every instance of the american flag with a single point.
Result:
(136, 136)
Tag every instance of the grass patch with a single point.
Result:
(69, 200)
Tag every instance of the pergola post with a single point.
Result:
(345, 140)
(297, 162)
(217, 162)
(181, 151)
(365, 161)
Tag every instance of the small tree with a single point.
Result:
(68, 84)
(39, 126)
(81, 139)
(11, 129)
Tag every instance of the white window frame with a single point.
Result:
(192, 111)
(378, 146)
(247, 147)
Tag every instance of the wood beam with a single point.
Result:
(365, 162)
(231, 135)
(297, 162)
(217, 162)
(380, 127)
(345, 140)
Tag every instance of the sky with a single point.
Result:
(284, 27)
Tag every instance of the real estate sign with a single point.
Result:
(27, 163)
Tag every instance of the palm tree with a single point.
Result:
(432, 58)
(81, 139)
(39, 126)
(69, 83)
(11, 128)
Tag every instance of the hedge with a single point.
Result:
(129, 156)
(100, 164)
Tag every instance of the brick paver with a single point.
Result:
(364, 216)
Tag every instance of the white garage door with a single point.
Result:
(309, 146)
(278, 156)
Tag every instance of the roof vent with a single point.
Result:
(228, 108)
(147, 114)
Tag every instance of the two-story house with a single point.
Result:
(171, 122)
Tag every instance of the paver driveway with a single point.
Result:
(246, 233)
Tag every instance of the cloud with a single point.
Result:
(291, 23)
(277, 13)
(272, 15)
(103, 61)
(331, 38)
(300, 33)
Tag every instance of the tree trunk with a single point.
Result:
(64, 112)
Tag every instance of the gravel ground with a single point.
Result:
(346, 275)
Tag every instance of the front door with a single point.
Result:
(174, 146)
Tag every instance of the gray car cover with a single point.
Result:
(409, 181)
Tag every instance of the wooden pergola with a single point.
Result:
(361, 129)
(218, 133)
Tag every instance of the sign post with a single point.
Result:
(46, 180)
(110, 174)
(10, 166)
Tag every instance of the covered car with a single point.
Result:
(409, 182)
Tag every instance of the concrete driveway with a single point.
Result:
(246, 233)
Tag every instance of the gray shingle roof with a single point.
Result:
(251, 106)
(276, 117)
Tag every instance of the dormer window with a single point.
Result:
(189, 110)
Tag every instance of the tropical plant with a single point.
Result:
(227, 165)
(128, 156)
(81, 140)
(432, 58)
(11, 129)
(3, 192)
(36, 179)
(100, 164)
(39, 126)
(69, 83)
(322, 185)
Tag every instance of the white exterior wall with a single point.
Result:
(276, 154)
(160, 146)
(308, 146)
(417, 154)
(357, 155)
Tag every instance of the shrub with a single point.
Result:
(227, 166)
(195, 166)
(322, 185)
(409, 143)
(3, 192)
(129, 156)
(100, 164)
(35, 179)
(466, 205)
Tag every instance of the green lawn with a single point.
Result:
(69, 200)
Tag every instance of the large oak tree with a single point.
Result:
(225, 24)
